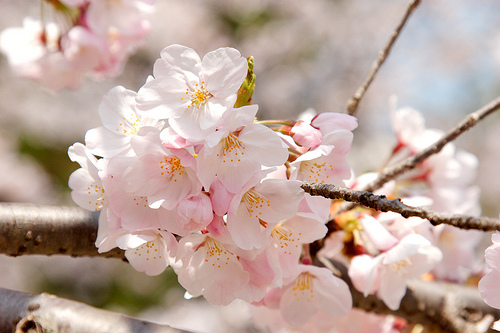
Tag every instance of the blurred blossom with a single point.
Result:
(93, 36)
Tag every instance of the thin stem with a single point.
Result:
(352, 104)
(276, 122)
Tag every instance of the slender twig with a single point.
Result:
(37, 229)
(411, 162)
(23, 312)
(381, 203)
(352, 104)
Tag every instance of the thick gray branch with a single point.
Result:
(23, 312)
(381, 203)
(451, 308)
(37, 229)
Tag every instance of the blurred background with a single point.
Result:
(314, 53)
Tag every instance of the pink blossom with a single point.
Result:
(82, 49)
(258, 207)
(287, 238)
(121, 121)
(25, 47)
(87, 189)
(330, 122)
(239, 149)
(326, 163)
(379, 236)
(194, 94)
(126, 17)
(387, 273)
(209, 269)
(149, 251)
(165, 176)
(85, 183)
(488, 286)
(315, 289)
(195, 212)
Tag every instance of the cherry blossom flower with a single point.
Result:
(194, 94)
(315, 289)
(87, 189)
(85, 183)
(258, 207)
(287, 238)
(121, 121)
(165, 176)
(149, 250)
(387, 273)
(239, 149)
(326, 163)
(25, 47)
(306, 135)
(97, 37)
(209, 269)
(488, 286)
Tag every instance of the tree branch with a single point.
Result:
(37, 229)
(352, 104)
(381, 203)
(23, 312)
(451, 308)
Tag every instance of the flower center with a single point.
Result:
(285, 237)
(216, 254)
(302, 286)
(171, 166)
(130, 125)
(255, 203)
(315, 171)
(402, 267)
(149, 250)
(100, 200)
(199, 96)
(232, 149)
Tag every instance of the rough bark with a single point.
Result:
(48, 230)
(22, 312)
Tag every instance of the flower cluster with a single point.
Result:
(387, 250)
(188, 178)
(87, 36)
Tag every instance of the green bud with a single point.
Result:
(246, 90)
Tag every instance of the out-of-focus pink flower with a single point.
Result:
(387, 273)
(488, 286)
(98, 40)
(315, 289)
